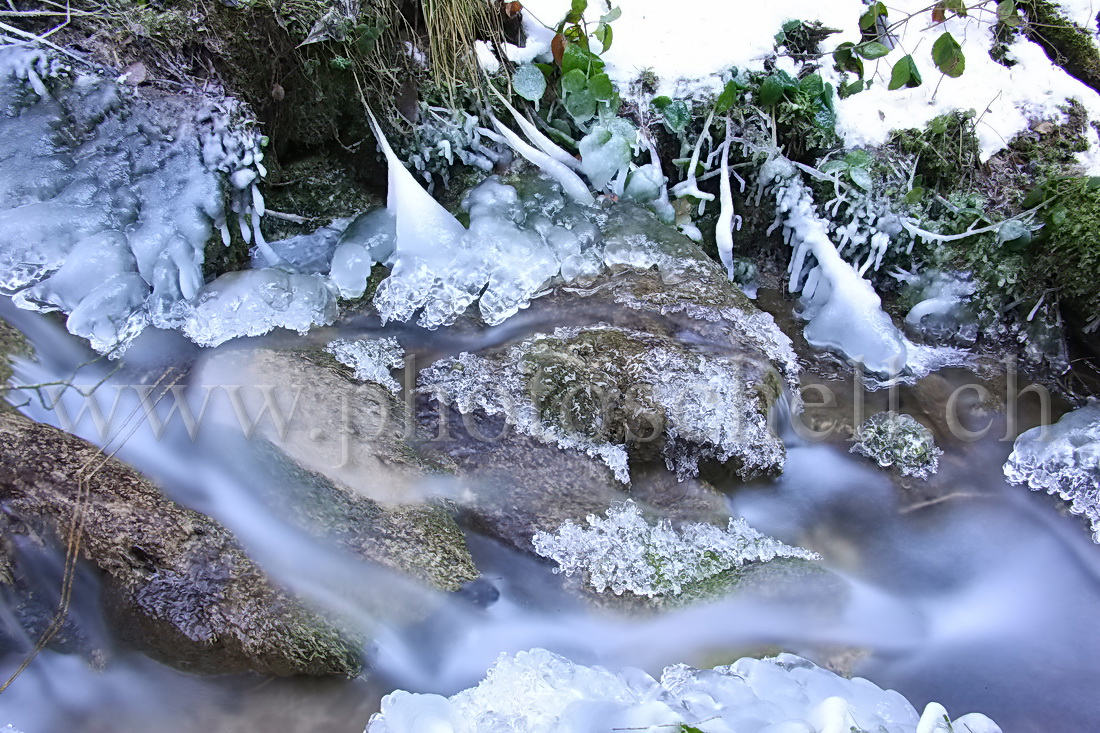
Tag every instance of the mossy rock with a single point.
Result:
(12, 343)
(1068, 45)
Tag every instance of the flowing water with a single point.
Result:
(967, 591)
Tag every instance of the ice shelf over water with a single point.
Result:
(1064, 460)
(623, 552)
(540, 692)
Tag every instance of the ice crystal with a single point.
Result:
(1063, 460)
(623, 552)
(899, 441)
(371, 359)
(540, 692)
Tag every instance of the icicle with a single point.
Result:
(723, 232)
(570, 181)
(542, 142)
(424, 228)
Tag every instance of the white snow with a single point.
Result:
(690, 48)
(540, 692)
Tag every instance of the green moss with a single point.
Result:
(1068, 255)
(947, 151)
(1049, 148)
(12, 343)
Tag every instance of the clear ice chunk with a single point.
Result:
(372, 359)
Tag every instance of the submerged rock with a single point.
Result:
(176, 584)
(899, 442)
(338, 463)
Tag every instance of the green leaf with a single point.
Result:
(872, 50)
(1034, 197)
(677, 116)
(659, 103)
(576, 11)
(1013, 233)
(1058, 215)
(861, 177)
(728, 97)
(905, 74)
(1092, 183)
(573, 82)
(914, 196)
(581, 106)
(854, 88)
(1007, 13)
(834, 166)
(601, 87)
(958, 7)
(846, 60)
(938, 125)
(948, 56)
(604, 35)
(812, 85)
(868, 19)
(612, 15)
(859, 159)
(529, 83)
(775, 86)
(577, 56)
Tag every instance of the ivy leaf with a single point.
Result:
(905, 74)
(601, 87)
(677, 116)
(812, 85)
(529, 83)
(573, 82)
(1007, 13)
(578, 57)
(861, 177)
(581, 106)
(948, 56)
(872, 50)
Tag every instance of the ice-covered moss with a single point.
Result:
(1068, 257)
(946, 151)
(623, 552)
(899, 442)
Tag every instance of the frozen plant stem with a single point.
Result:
(723, 233)
(570, 181)
(690, 185)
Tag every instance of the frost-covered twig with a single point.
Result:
(570, 181)
(690, 185)
(723, 232)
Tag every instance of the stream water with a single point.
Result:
(967, 591)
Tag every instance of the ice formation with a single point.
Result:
(899, 441)
(372, 359)
(1063, 460)
(540, 692)
(108, 200)
(843, 309)
(698, 401)
(623, 552)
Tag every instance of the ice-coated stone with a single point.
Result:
(623, 552)
(541, 692)
(1064, 460)
(611, 392)
(898, 441)
(108, 199)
